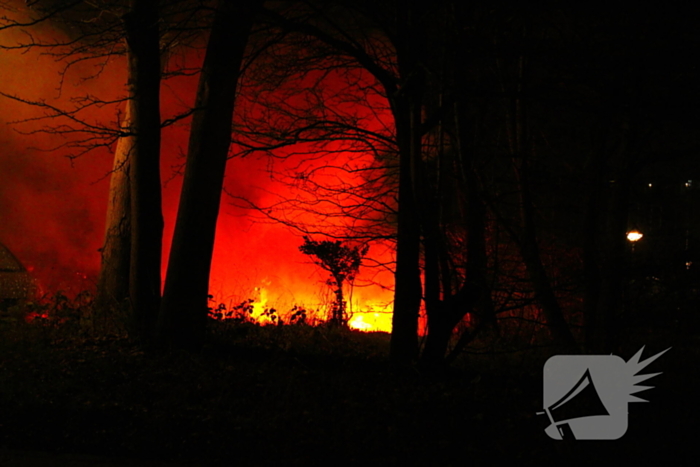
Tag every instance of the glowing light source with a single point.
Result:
(358, 322)
(634, 235)
(267, 305)
(377, 317)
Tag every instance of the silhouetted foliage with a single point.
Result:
(343, 262)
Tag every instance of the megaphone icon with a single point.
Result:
(582, 400)
(587, 410)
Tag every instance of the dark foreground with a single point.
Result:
(310, 396)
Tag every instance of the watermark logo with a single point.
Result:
(586, 396)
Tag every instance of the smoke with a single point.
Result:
(52, 208)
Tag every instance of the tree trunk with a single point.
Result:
(146, 213)
(544, 294)
(406, 106)
(604, 326)
(339, 317)
(520, 147)
(474, 295)
(184, 309)
(596, 201)
(611, 286)
(407, 288)
(441, 323)
(530, 252)
(113, 281)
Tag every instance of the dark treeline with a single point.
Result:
(521, 137)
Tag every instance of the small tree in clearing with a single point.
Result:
(342, 262)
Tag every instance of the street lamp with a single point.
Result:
(634, 236)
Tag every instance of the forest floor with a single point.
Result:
(298, 395)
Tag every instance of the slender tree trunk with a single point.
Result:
(407, 288)
(612, 279)
(146, 213)
(476, 292)
(530, 252)
(591, 267)
(474, 295)
(520, 146)
(339, 317)
(595, 211)
(605, 325)
(444, 315)
(184, 309)
(406, 106)
(544, 294)
(113, 281)
(441, 323)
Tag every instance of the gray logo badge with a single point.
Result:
(586, 396)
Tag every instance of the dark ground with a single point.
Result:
(310, 396)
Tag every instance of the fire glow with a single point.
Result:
(53, 209)
(370, 317)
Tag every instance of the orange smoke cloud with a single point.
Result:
(52, 209)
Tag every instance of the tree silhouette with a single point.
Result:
(342, 262)
(184, 308)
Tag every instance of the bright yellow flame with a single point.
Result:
(260, 305)
(376, 318)
(368, 315)
(358, 322)
(634, 235)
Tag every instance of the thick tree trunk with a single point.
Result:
(146, 213)
(113, 281)
(184, 309)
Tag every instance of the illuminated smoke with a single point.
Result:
(52, 209)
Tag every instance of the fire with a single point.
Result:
(371, 316)
(53, 209)
(358, 322)
(260, 311)
(371, 322)
(34, 315)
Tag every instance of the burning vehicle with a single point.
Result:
(16, 284)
